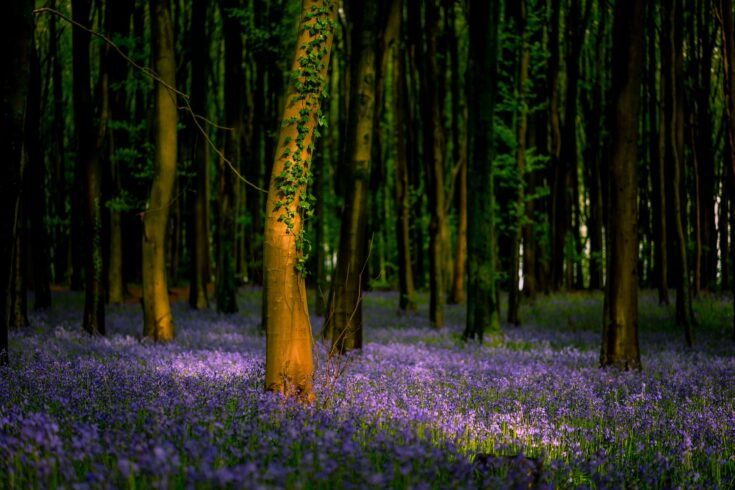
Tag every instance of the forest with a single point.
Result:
(367, 244)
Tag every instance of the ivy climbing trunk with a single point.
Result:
(482, 314)
(16, 36)
(344, 310)
(157, 320)
(620, 317)
(289, 362)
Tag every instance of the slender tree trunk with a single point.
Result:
(514, 297)
(344, 312)
(289, 362)
(88, 144)
(36, 192)
(725, 16)
(234, 115)
(433, 145)
(402, 188)
(675, 132)
(16, 36)
(482, 316)
(158, 322)
(557, 209)
(620, 319)
(199, 245)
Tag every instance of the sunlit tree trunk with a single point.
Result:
(482, 316)
(289, 362)
(16, 36)
(158, 322)
(520, 15)
(199, 233)
(620, 318)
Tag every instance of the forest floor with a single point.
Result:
(417, 408)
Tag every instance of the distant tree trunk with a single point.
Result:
(36, 192)
(675, 155)
(520, 14)
(88, 144)
(595, 110)
(228, 185)
(433, 146)
(344, 311)
(289, 363)
(558, 212)
(657, 161)
(406, 300)
(725, 16)
(620, 319)
(158, 322)
(16, 36)
(117, 22)
(19, 286)
(199, 243)
(482, 316)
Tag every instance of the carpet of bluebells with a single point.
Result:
(416, 409)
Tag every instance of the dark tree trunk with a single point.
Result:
(620, 319)
(19, 286)
(88, 143)
(234, 116)
(199, 241)
(16, 36)
(482, 315)
(36, 193)
(557, 211)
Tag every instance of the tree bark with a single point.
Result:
(16, 35)
(88, 144)
(620, 319)
(289, 362)
(520, 14)
(157, 320)
(199, 242)
(725, 16)
(482, 316)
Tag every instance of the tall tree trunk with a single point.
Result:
(406, 300)
(16, 35)
(157, 320)
(482, 316)
(344, 312)
(557, 211)
(725, 16)
(620, 318)
(289, 363)
(199, 242)
(88, 144)
(520, 14)
(675, 152)
(234, 115)
(433, 146)
(36, 192)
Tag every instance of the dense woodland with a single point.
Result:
(459, 147)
